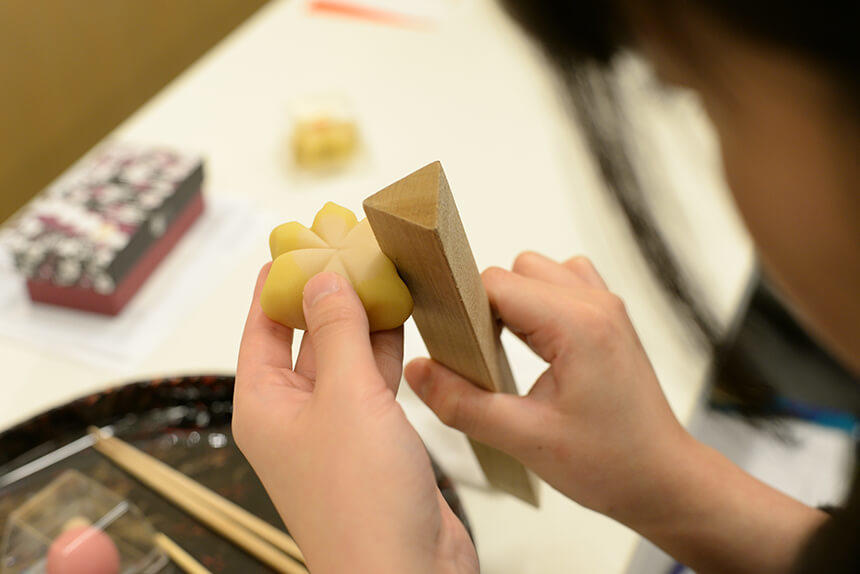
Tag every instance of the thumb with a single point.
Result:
(503, 421)
(339, 331)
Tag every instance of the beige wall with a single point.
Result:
(71, 70)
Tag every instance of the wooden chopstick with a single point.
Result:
(178, 555)
(260, 527)
(143, 467)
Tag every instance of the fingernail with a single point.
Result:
(320, 286)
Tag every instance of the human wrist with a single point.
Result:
(660, 481)
(671, 488)
(330, 557)
(713, 516)
(348, 544)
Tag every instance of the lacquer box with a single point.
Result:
(91, 239)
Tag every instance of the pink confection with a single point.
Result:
(83, 550)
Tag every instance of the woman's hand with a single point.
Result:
(347, 472)
(595, 424)
(597, 427)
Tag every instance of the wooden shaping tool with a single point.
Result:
(417, 226)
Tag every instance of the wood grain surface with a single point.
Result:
(417, 225)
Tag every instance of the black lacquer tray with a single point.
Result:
(182, 421)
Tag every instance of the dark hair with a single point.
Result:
(578, 31)
(583, 38)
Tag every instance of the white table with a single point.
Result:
(473, 94)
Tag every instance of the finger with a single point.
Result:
(306, 361)
(500, 420)
(339, 331)
(537, 266)
(584, 268)
(264, 342)
(388, 352)
(534, 310)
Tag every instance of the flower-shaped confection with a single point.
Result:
(336, 242)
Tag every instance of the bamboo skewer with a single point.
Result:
(142, 467)
(260, 527)
(206, 514)
(178, 555)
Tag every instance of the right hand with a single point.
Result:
(596, 424)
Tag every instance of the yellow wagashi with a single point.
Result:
(336, 242)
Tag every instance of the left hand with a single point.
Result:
(346, 471)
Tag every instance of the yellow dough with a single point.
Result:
(336, 242)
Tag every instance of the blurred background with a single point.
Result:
(190, 129)
(73, 74)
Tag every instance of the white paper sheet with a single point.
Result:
(209, 249)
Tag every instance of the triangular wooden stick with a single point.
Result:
(417, 225)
